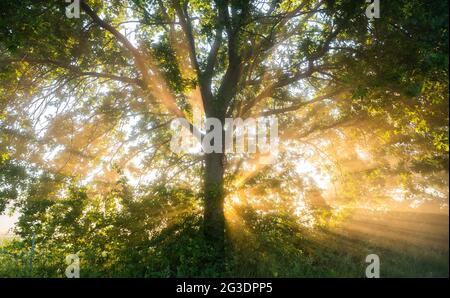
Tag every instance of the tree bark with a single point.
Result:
(214, 219)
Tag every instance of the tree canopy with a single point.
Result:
(86, 106)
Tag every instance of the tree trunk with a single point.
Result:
(214, 219)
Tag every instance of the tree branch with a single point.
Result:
(76, 70)
(299, 105)
(138, 57)
(187, 29)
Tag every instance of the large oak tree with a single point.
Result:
(94, 92)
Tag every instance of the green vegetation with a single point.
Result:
(86, 106)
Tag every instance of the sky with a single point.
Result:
(6, 223)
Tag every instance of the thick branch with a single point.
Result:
(229, 85)
(187, 29)
(138, 57)
(212, 55)
(203, 79)
(281, 82)
(76, 70)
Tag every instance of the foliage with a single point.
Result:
(85, 111)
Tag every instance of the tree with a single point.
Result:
(142, 63)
